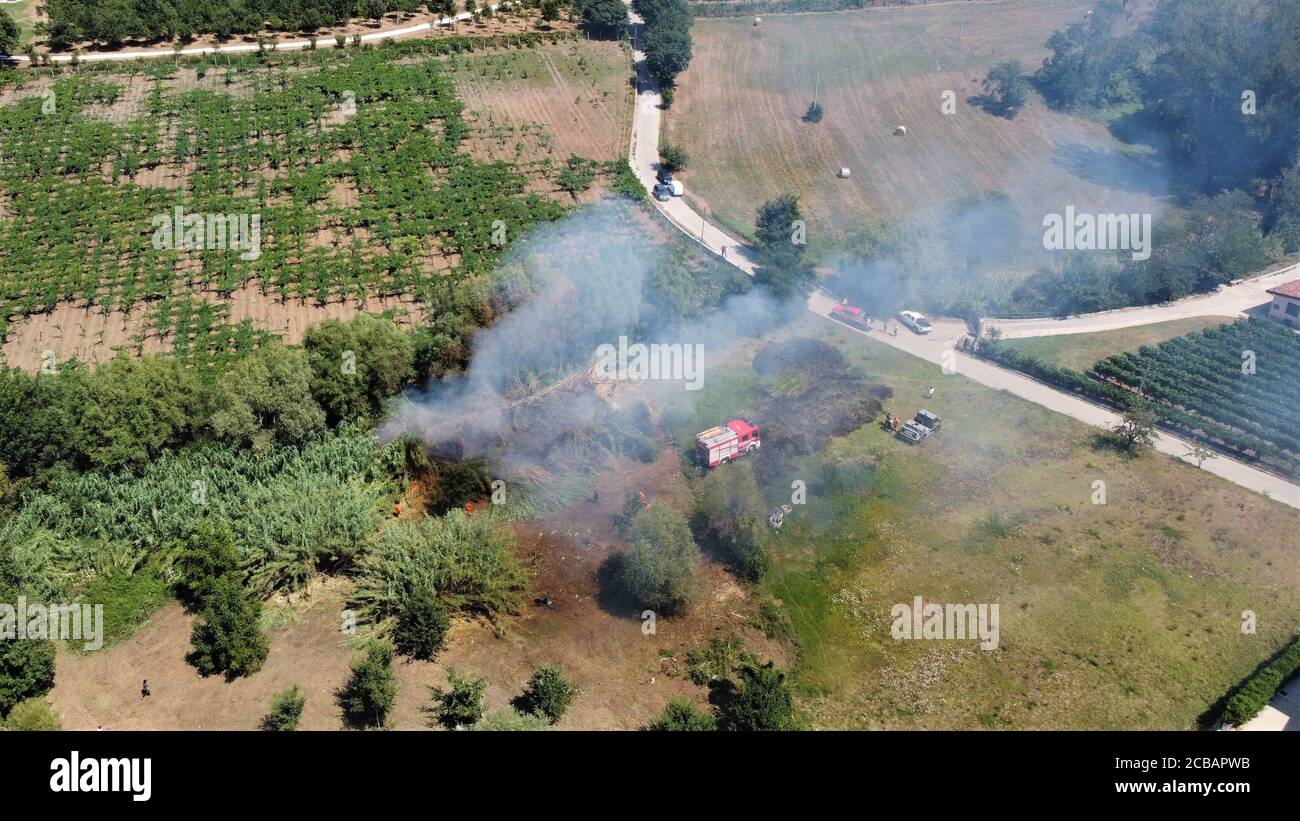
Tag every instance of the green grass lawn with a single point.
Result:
(1123, 615)
(1082, 351)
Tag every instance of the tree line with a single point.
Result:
(116, 21)
(666, 40)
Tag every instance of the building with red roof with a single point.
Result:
(1286, 303)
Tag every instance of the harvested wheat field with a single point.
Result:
(740, 105)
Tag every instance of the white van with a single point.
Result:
(917, 322)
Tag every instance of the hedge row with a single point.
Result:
(1260, 688)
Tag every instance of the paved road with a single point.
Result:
(1229, 302)
(643, 154)
(944, 339)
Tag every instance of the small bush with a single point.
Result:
(512, 721)
(662, 560)
(368, 696)
(462, 705)
(32, 714)
(422, 625)
(759, 699)
(548, 694)
(681, 716)
(673, 157)
(286, 710)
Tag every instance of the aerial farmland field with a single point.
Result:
(714, 367)
(739, 107)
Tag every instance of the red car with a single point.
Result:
(851, 315)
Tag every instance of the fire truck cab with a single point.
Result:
(720, 445)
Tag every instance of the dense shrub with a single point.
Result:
(228, 637)
(286, 710)
(732, 513)
(32, 714)
(462, 704)
(1260, 688)
(26, 671)
(467, 560)
(662, 561)
(683, 716)
(357, 364)
(512, 721)
(371, 689)
(208, 554)
(548, 694)
(422, 625)
(758, 699)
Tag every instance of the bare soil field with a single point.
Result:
(625, 676)
(740, 104)
(546, 103)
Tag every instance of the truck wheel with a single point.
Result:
(751, 448)
(724, 460)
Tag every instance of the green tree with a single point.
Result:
(782, 242)
(1006, 88)
(550, 10)
(128, 411)
(286, 710)
(371, 689)
(9, 34)
(228, 638)
(26, 670)
(548, 694)
(672, 157)
(1094, 62)
(578, 175)
(268, 398)
(759, 699)
(814, 113)
(733, 514)
(1135, 432)
(668, 51)
(422, 625)
(683, 716)
(207, 555)
(462, 704)
(1284, 210)
(357, 364)
(662, 560)
(32, 714)
(603, 17)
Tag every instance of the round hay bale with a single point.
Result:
(843, 173)
(900, 131)
(758, 20)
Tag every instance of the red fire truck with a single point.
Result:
(719, 445)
